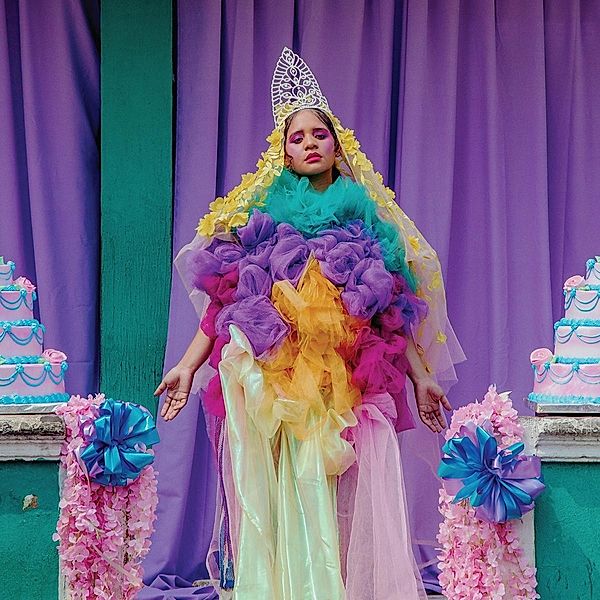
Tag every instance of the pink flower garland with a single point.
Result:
(103, 531)
(481, 560)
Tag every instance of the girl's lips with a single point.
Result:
(313, 158)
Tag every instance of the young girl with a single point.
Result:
(317, 298)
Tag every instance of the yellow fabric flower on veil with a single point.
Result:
(232, 210)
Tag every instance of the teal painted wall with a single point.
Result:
(136, 195)
(28, 556)
(136, 218)
(566, 531)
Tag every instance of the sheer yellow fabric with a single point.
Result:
(253, 472)
(288, 540)
(308, 374)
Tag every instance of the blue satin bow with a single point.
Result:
(500, 485)
(117, 451)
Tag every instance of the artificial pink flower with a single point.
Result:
(25, 283)
(54, 357)
(540, 356)
(573, 282)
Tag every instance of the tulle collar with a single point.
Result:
(290, 181)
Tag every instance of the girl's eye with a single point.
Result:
(298, 139)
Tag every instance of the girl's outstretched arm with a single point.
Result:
(428, 394)
(178, 381)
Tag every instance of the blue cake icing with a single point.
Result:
(581, 361)
(37, 331)
(6, 270)
(575, 323)
(562, 379)
(22, 360)
(573, 329)
(22, 298)
(552, 399)
(48, 399)
(592, 264)
(19, 372)
(588, 305)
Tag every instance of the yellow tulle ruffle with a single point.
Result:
(308, 374)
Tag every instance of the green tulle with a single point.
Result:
(293, 200)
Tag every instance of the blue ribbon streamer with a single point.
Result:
(499, 485)
(117, 451)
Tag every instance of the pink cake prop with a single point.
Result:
(21, 340)
(16, 305)
(6, 272)
(592, 271)
(571, 374)
(40, 379)
(28, 376)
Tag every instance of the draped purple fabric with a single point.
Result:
(49, 168)
(482, 116)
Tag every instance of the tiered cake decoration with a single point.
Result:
(572, 374)
(27, 375)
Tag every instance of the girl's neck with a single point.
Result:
(321, 181)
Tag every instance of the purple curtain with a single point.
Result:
(483, 116)
(49, 168)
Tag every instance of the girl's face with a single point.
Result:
(309, 145)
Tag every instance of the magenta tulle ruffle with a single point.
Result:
(221, 290)
(214, 402)
(405, 309)
(379, 366)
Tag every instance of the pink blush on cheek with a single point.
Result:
(328, 144)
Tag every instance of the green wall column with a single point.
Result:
(27, 553)
(566, 532)
(136, 195)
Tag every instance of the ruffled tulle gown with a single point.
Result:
(310, 306)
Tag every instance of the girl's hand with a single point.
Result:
(429, 396)
(178, 383)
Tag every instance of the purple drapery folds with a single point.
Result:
(49, 168)
(484, 120)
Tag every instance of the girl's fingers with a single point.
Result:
(173, 412)
(440, 419)
(170, 412)
(426, 418)
(165, 406)
(174, 405)
(446, 403)
(162, 386)
(169, 398)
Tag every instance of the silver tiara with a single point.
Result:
(294, 87)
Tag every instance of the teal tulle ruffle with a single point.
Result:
(293, 200)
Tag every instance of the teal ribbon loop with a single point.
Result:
(117, 445)
(500, 485)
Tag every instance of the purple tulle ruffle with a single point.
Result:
(369, 289)
(258, 319)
